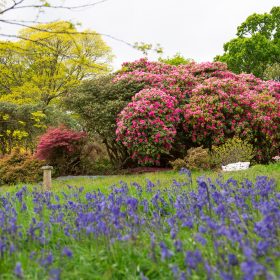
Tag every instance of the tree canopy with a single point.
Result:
(176, 60)
(32, 72)
(98, 103)
(257, 45)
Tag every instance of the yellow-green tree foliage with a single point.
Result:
(19, 126)
(48, 61)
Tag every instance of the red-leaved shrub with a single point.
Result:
(62, 148)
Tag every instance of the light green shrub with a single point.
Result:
(178, 164)
(234, 150)
(198, 159)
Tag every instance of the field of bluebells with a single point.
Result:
(208, 229)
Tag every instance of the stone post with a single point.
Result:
(47, 177)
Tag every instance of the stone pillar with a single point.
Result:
(47, 177)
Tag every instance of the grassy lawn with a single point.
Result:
(148, 226)
(164, 178)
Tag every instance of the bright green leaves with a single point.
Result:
(257, 45)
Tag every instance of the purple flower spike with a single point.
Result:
(18, 270)
(251, 269)
(54, 274)
(48, 260)
(67, 252)
(232, 259)
(165, 252)
(193, 258)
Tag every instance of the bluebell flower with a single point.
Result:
(54, 274)
(199, 238)
(185, 171)
(12, 248)
(193, 258)
(67, 252)
(47, 261)
(149, 186)
(175, 270)
(18, 270)
(251, 269)
(262, 247)
(143, 277)
(183, 276)
(178, 245)
(226, 276)
(165, 252)
(232, 260)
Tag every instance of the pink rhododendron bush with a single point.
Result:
(196, 104)
(147, 126)
(221, 108)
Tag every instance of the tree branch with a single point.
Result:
(17, 6)
(13, 7)
(63, 32)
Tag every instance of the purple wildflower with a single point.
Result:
(67, 252)
(232, 260)
(18, 270)
(165, 252)
(193, 258)
(54, 274)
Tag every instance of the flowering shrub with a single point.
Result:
(221, 108)
(220, 229)
(176, 81)
(62, 148)
(216, 104)
(147, 125)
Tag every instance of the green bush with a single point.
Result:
(198, 159)
(178, 164)
(94, 159)
(20, 167)
(101, 166)
(98, 103)
(234, 150)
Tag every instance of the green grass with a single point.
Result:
(165, 178)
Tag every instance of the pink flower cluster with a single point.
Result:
(147, 125)
(176, 81)
(215, 103)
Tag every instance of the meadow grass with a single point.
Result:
(165, 178)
